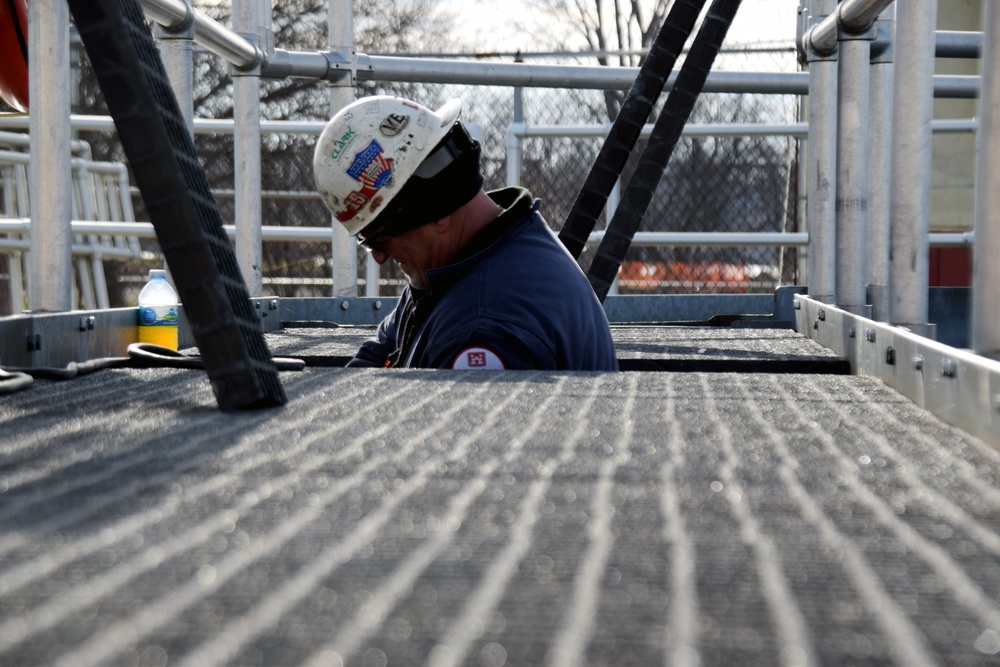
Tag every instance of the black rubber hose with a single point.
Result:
(628, 125)
(11, 382)
(15, 379)
(141, 355)
(666, 131)
(150, 355)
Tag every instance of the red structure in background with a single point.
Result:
(14, 53)
(950, 267)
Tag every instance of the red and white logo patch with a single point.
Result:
(478, 358)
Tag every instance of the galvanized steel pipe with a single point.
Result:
(430, 70)
(985, 334)
(50, 178)
(851, 15)
(247, 156)
(176, 50)
(880, 165)
(958, 44)
(853, 115)
(340, 22)
(948, 44)
(22, 225)
(315, 127)
(913, 107)
(170, 14)
(822, 168)
(223, 42)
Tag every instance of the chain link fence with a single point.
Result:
(711, 184)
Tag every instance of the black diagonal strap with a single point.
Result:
(628, 125)
(174, 187)
(666, 131)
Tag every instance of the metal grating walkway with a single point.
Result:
(422, 517)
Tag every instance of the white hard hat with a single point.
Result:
(370, 148)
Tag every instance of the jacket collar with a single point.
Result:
(516, 203)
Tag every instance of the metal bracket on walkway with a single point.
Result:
(958, 386)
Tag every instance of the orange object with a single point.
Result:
(693, 277)
(14, 53)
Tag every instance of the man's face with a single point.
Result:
(416, 251)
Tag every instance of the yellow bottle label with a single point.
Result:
(158, 325)
(164, 335)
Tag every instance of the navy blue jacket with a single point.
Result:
(514, 297)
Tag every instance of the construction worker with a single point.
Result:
(490, 285)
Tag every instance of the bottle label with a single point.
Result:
(152, 316)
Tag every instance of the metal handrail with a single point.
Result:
(642, 239)
(177, 15)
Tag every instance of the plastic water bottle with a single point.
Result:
(158, 311)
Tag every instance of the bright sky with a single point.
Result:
(756, 21)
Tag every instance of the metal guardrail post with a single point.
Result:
(985, 323)
(514, 136)
(822, 165)
(176, 42)
(913, 108)
(247, 147)
(853, 117)
(50, 178)
(880, 165)
(345, 249)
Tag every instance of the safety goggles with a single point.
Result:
(375, 240)
(400, 215)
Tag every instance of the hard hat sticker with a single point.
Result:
(371, 167)
(353, 203)
(340, 144)
(393, 124)
(374, 171)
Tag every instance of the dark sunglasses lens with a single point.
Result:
(370, 241)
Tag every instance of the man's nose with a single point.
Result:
(380, 256)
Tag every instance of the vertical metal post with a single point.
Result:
(852, 169)
(50, 179)
(913, 109)
(880, 165)
(18, 265)
(822, 164)
(176, 49)
(514, 152)
(345, 249)
(801, 174)
(986, 250)
(518, 96)
(246, 153)
(371, 276)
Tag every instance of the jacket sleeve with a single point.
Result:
(512, 347)
(374, 353)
